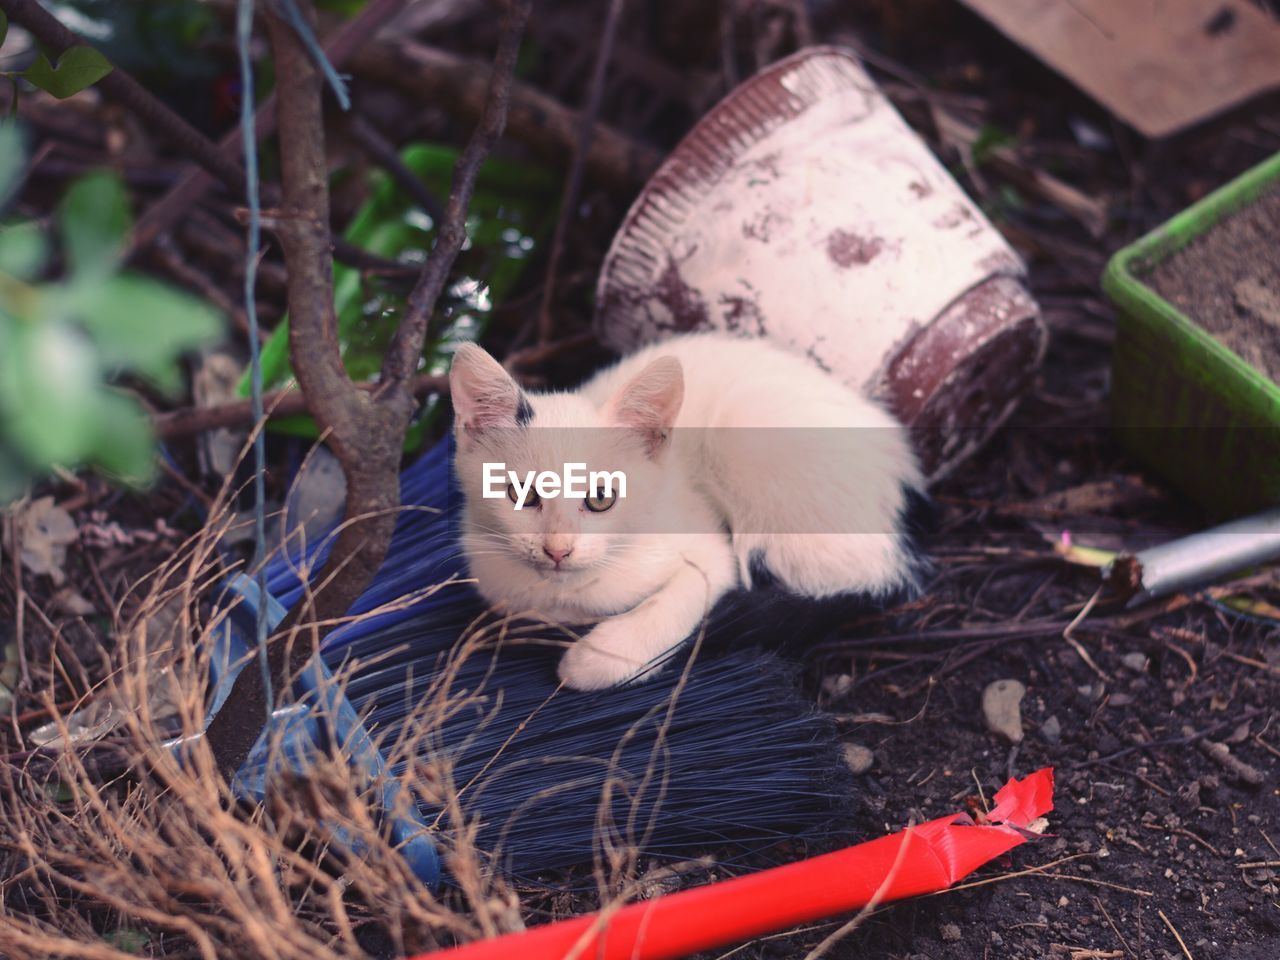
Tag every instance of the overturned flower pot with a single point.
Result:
(802, 208)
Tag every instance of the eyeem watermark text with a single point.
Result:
(574, 482)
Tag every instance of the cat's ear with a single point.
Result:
(650, 401)
(484, 395)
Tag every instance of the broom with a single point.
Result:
(715, 752)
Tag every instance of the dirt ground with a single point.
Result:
(1151, 837)
(1229, 281)
(1146, 826)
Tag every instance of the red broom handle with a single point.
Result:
(914, 861)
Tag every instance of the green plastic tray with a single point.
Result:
(1186, 405)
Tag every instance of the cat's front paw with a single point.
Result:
(600, 660)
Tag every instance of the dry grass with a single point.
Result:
(131, 845)
(134, 846)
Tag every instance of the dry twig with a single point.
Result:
(458, 84)
(573, 182)
(279, 403)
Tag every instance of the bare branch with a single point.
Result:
(401, 361)
(383, 153)
(366, 437)
(457, 84)
(187, 192)
(278, 403)
(573, 182)
(365, 429)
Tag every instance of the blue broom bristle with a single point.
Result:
(720, 754)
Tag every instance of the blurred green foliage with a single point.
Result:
(990, 139)
(129, 939)
(155, 40)
(77, 69)
(63, 340)
(348, 8)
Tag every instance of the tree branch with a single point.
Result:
(405, 349)
(361, 434)
(365, 429)
(382, 152)
(217, 161)
(278, 403)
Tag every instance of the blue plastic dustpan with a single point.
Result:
(319, 718)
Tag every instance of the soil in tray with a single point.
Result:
(1228, 281)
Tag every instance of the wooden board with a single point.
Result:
(1158, 65)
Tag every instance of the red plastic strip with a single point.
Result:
(915, 861)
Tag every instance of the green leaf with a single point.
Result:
(128, 940)
(126, 444)
(24, 250)
(48, 378)
(59, 791)
(143, 326)
(348, 8)
(78, 69)
(990, 139)
(13, 158)
(9, 675)
(94, 219)
(13, 477)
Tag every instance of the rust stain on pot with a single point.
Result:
(1000, 262)
(848, 249)
(812, 354)
(769, 163)
(958, 379)
(954, 217)
(688, 312)
(762, 227)
(667, 305)
(921, 189)
(741, 314)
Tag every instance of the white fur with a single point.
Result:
(704, 498)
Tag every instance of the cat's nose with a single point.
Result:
(557, 553)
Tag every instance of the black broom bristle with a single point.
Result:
(717, 751)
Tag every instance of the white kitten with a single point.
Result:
(738, 457)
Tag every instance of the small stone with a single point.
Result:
(1002, 708)
(1051, 731)
(949, 932)
(858, 758)
(1137, 662)
(835, 687)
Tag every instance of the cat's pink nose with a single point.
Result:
(556, 553)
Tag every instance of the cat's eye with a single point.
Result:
(531, 499)
(600, 500)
